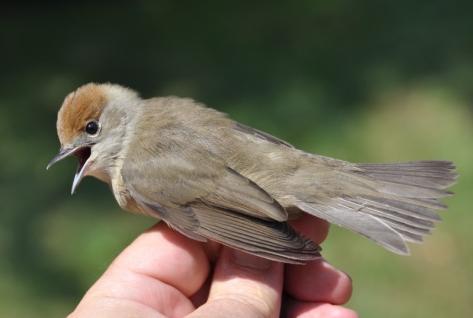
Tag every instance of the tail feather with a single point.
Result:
(435, 175)
(411, 237)
(390, 213)
(361, 223)
(404, 209)
(400, 206)
(407, 228)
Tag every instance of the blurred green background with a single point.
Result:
(362, 81)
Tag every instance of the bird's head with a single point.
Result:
(91, 125)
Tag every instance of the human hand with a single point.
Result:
(164, 274)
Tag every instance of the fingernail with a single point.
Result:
(250, 261)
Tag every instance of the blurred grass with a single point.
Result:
(361, 81)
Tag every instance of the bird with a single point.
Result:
(214, 179)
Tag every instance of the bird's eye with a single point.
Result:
(92, 127)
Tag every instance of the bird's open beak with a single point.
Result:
(83, 154)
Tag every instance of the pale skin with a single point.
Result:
(164, 274)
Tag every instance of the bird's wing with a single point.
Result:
(265, 238)
(190, 175)
(195, 193)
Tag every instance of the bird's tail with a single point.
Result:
(391, 203)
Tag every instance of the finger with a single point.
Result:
(200, 298)
(106, 299)
(297, 309)
(167, 256)
(312, 227)
(317, 281)
(243, 286)
(156, 272)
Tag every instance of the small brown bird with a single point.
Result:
(211, 178)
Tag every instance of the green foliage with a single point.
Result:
(361, 81)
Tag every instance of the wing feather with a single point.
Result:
(270, 239)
